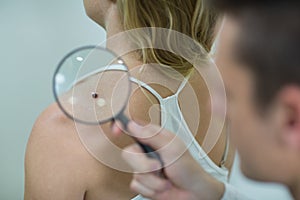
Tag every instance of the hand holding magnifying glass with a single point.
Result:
(92, 86)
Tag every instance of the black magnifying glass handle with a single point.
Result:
(150, 152)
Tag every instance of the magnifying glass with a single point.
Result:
(92, 86)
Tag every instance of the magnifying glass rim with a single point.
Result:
(59, 67)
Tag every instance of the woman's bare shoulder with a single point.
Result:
(57, 165)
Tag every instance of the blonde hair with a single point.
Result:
(190, 17)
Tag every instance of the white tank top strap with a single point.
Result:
(152, 91)
(147, 87)
(183, 84)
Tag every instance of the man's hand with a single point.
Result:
(185, 179)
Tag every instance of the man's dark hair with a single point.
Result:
(269, 42)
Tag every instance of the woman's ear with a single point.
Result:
(289, 97)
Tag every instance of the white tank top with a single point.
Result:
(170, 116)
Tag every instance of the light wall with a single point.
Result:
(34, 36)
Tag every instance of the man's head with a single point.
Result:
(259, 57)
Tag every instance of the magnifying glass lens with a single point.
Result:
(92, 85)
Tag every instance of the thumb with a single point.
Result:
(139, 162)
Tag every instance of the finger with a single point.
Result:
(152, 135)
(138, 160)
(153, 182)
(141, 189)
(117, 128)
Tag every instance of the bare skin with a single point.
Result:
(58, 166)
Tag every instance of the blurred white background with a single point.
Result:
(34, 35)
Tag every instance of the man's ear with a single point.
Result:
(289, 98)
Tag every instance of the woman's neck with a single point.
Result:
(117, 40)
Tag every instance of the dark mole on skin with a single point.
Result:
(94, 95)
